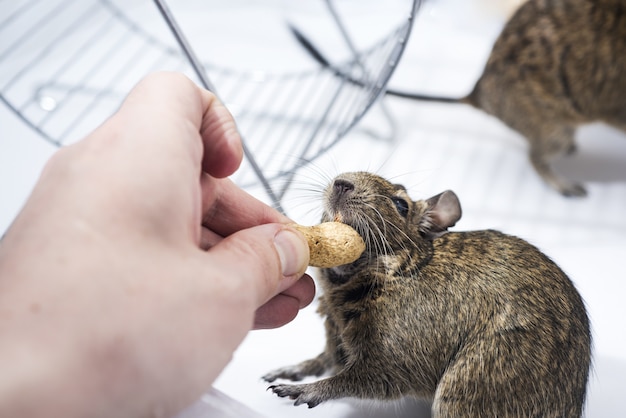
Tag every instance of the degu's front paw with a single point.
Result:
(292, 373)
(302, 394)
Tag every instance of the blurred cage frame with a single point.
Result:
(307, 111)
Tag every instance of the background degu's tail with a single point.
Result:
(323, 61)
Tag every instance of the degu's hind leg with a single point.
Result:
(545, 148)
(502, 376)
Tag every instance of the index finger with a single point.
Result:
(223, 149)
(170, 108)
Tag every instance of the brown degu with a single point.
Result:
(481, 323)
(556, 65)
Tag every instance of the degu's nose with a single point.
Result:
(342, 187)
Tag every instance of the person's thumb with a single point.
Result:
(267, 258)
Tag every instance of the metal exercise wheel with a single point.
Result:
(65, 65)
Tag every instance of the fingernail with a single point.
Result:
(293, 252)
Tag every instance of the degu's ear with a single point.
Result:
(442, 212)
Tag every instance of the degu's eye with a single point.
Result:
(401, 205)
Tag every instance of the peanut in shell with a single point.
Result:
(332, 244)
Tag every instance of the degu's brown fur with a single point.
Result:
(556, 65)
(481, 323)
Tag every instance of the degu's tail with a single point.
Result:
(321, 59)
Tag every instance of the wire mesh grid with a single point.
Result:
(65, 65)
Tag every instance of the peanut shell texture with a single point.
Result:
(332, 244)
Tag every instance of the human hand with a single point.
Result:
(109, 303)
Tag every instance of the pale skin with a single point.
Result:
(136, 268)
